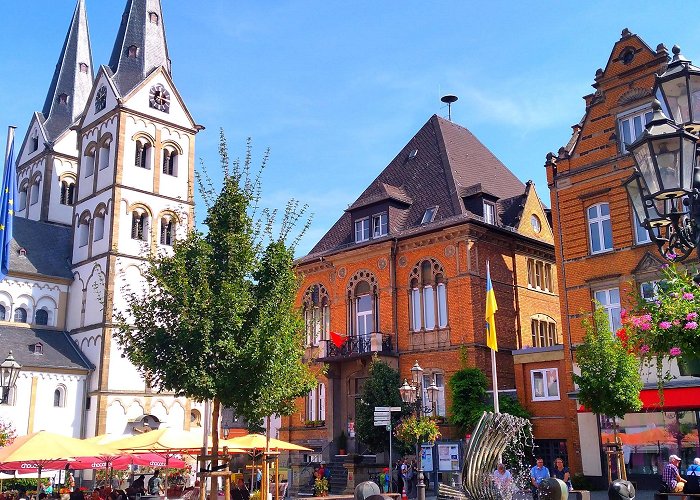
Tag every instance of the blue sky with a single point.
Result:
(335, 89)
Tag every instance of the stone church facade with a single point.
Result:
(105, 178)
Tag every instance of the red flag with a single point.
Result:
(338, 339)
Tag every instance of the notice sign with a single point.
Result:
(448, 457)
(426, 457)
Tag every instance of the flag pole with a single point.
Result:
(10, 138)
(496, 408)
(491, 309)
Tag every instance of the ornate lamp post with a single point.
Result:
(9, 370)
(412, 393)
(665, 188)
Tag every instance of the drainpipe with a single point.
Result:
(394, 293)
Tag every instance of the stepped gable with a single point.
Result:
(437, 166)
(72, 80)
(57, 349)
(40, 248)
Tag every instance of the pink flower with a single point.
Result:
(691, 325)
(692, 316)
(644, 349)
(665, 325)
(676, 322)
(688, 296)
(675, 351)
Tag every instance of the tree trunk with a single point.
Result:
(214, 492)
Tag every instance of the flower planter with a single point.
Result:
(689, 365)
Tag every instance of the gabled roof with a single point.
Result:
(47, 248)
(58, 349)
(441, 163)
(148, 37)
(68, 78)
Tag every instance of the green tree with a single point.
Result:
(610, 381)
(469, 399)
(216, 319)
(381, 389)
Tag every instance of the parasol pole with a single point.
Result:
(167, 459)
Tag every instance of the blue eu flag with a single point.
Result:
(7, 209)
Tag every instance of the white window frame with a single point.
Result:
(612, 308)
(489, 212)
(439, 379)
(429, 307)
(429, 215)
(654, 290)
(362, 230)
(641, 235)
(442, 305)
(596, 224)
(366, 318)
(644, 113)
(546, 396)
(380, 225)
(416, 309)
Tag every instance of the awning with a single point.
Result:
(675, 398)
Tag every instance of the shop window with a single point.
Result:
(545, 384)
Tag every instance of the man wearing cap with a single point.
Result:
(671, 477)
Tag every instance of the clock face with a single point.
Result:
(101, 99)
(159, 98)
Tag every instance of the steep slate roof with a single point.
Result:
(48, 248)
(68, 79)
(136, 29)
(59, 350)
(450, 163)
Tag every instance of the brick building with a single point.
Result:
(603, 253)
(402, 274)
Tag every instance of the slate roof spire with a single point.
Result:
(72, 80)
(140, 46)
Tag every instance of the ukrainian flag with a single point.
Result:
(491, 309)
(7, 207)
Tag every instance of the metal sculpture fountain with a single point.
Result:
(496, 434)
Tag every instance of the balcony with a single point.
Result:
(357, 347)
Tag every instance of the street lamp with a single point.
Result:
(9, 370)
(412, 393)
(665, 188)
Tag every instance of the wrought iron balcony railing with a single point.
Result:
(357, 346)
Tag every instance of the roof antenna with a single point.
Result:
(449, 99)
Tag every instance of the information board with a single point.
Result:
(426, 458)
(448, 457)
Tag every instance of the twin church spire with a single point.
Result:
(140, 48)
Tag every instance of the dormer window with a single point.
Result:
(489, 212)
(38, 348)
(362, 230)
(83, 68)
(132, 52)
(63, 99)
(380, 225)
(153, 18)
(429, 215)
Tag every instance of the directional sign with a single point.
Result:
(382, 408)
(386, 414)
(385, 420)
(381, 423)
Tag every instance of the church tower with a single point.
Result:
(48, 160)
(135, 173)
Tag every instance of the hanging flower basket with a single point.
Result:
(667, 326)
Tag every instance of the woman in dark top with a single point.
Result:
(561, 472)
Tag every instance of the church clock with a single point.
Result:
(101, 99)
(159, 98)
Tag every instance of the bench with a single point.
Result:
(662, 496)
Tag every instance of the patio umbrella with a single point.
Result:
(41, 450)
(124, 461)
(259, 442)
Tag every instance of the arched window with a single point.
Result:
(104, 153)
(98, 227)
(195, 418)
(41, 317)
(167, 231)
(84, 229)
(23, 196)
(144, 152)
(170, 160)
(543, 330)
(132, 52)
(89, 161)
(34, 141)
(59, 397)
(83, 68)
(67, 192)
(428, 296)
(3, 312)
(34, 192)
(20, 315)
(316, 314)
(153, 18)
(139, 226)
(362, 300)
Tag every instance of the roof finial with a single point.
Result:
(449, 99)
